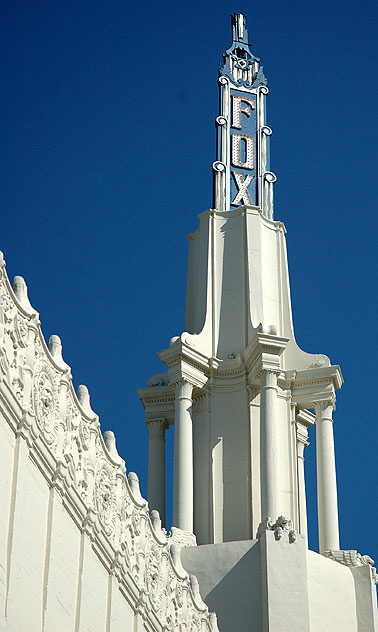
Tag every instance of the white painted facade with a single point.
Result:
(241, 395)
(80, 549)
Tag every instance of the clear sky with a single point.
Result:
(107, 127)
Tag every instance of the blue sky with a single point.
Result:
(107, 143)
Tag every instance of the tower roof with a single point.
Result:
(239, 63)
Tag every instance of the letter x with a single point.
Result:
(242, 186)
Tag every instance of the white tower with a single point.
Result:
(241, 395)
(241, 384)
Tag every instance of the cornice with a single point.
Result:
(242, 211)
(263, 353)
(305, 417)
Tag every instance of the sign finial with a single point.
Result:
(239, 28)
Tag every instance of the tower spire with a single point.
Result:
(238, 387)
(241, 171)
(239, 28)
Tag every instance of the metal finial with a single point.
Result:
(239, 28)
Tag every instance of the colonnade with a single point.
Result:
(182, 460)
(270, 465)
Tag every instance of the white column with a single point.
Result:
(328, 520)
(302, 436)
(183, 458)
(156, 465)
(269, 444)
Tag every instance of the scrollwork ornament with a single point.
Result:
(194, 622)
(21, 331)
(105, 500)
(266, 130)
(38, 349)
(73, 416)
(45, 400)
(218, 165)
(136, 522)
(6, 305)
(153, 577)
(269, 176)
(179, 596)
(84, 434)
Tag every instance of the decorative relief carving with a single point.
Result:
(21, 330)
(324, 408)
(158, 379)
(153, 576)
(280, 526)
(183, 389)
(105, 494)
(87, 466)
(352, 559)
(157, 427)
(6, 305)
(182, 538)
(45, 398)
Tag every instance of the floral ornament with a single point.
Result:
(21, 331)
(45, 400)
(104, 495)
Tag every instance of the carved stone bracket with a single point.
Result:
(280, 526)
(352, 559)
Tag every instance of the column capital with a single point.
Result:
(157, 427)
(183, 388)
(268, 377)
(269, 370)
(324, 408)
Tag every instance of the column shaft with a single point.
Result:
(183, 458)
(301, 487)
(328, 520)
(156, 466)
(269, 444)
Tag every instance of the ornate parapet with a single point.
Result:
(64, 439)
(353, 559)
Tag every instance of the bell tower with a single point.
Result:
(238, 389)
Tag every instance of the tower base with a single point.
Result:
(271, 585)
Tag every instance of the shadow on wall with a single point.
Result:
(229, 576)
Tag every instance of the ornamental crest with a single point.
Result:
(21, 330)
(153, 576)
(6, 304)
(105, 495)
(45, 398)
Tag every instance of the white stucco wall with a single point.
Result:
(277, 585)
(79, 550)
(332, 597)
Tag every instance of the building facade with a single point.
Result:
(80, 549)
